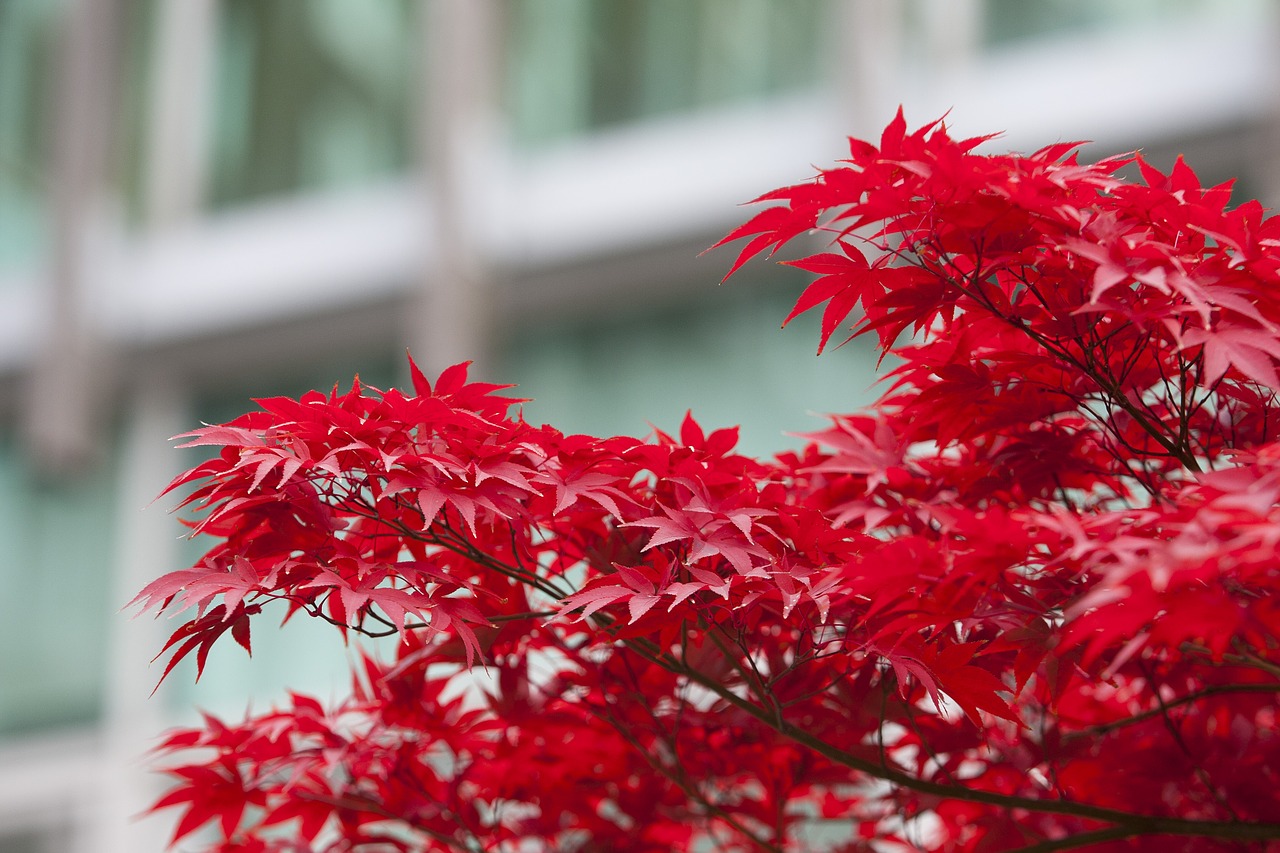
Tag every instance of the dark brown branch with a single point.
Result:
(1141, 824)
(1217, 689)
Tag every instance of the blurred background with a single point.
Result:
(204, 201)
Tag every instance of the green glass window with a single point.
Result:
(135, 80)
(55, 571)
(1008, 21)
(28, 30)
(575, 65)
(722, 356)
(30, 33)
(310, 94)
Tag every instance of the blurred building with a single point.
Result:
(210, 200)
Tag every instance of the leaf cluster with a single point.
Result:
(1026, 601)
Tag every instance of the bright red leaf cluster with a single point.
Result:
(1027, 601)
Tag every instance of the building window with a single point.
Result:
(310, 94)
(1007, 21)
(28, 30)
(576, 65)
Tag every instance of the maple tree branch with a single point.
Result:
(1198, 768)
(1113, 438)
(1248, 659)
(968, 285)
(1116, 396)
(370, 807)
(1143, 824)
(924, 743)
(418, 626)
(1244, 657)
(1110, 833)
(681, 782)
(1213, 690)
(442, 533)
(752, 679)
(692, 790)
(816, 691)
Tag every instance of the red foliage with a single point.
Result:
(1028, 601)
